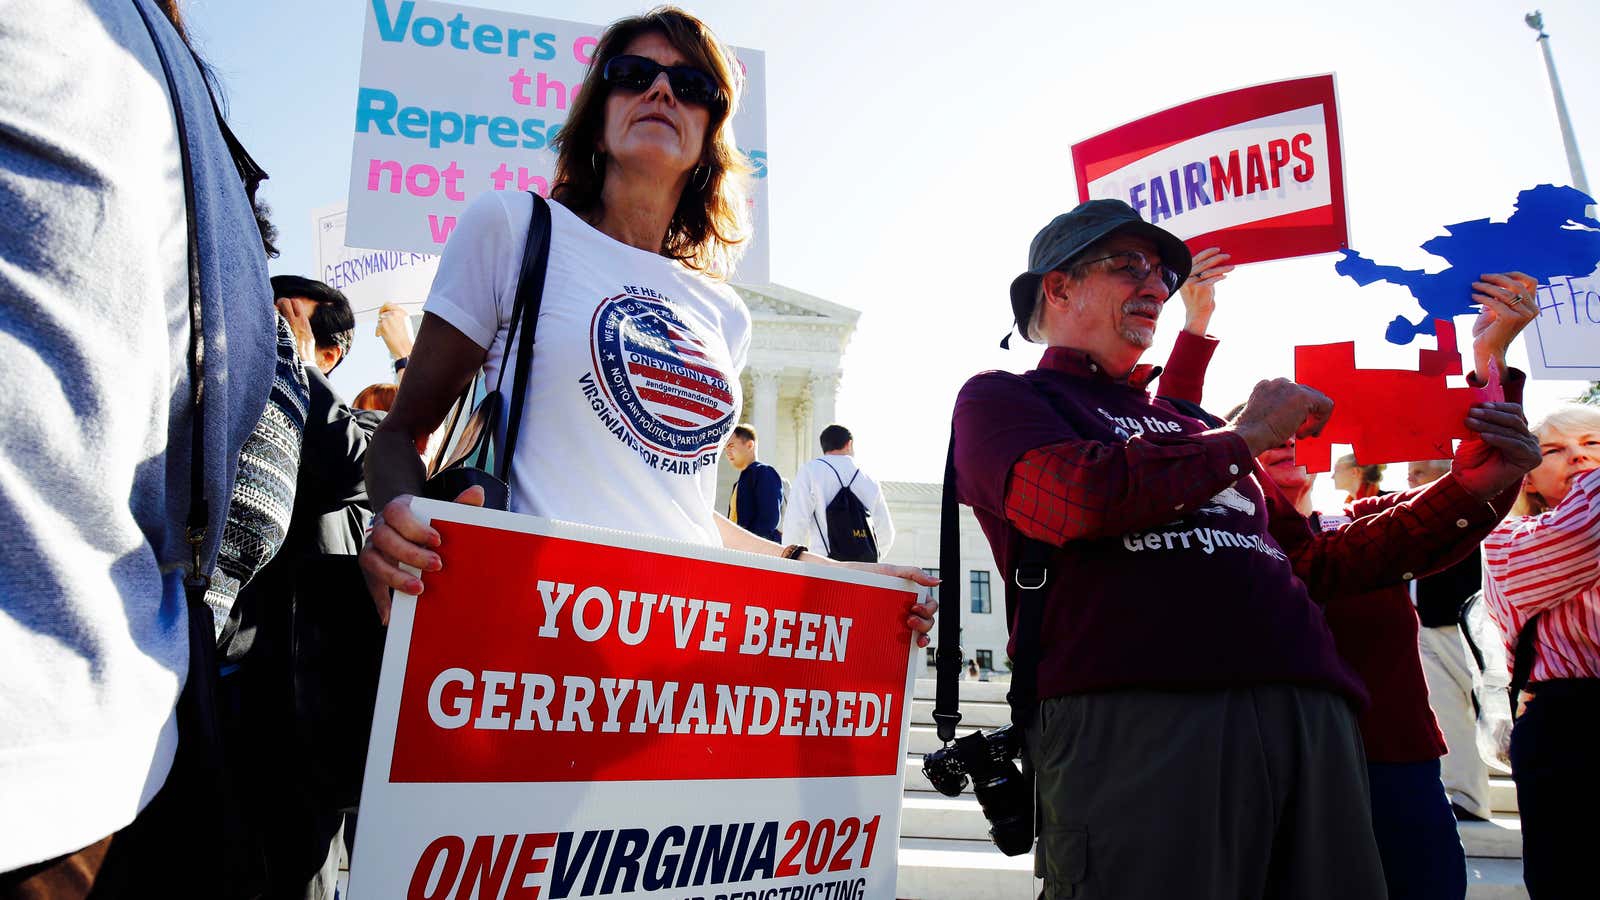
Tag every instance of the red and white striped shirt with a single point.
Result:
(1550, 564)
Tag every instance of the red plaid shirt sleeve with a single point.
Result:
(1087, 489)
(1184, 375)
(1394, 538)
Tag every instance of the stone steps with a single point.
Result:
(970, 692)
(935, 869)
(1502, 793)
(924, 815)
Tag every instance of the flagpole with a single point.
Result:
(1535, 20)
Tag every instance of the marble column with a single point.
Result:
(824, 388)
(764, 415)
(805, 431)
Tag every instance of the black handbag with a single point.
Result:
(475, 459)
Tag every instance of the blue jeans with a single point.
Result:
(1416, 831)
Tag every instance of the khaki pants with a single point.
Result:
(1228, 794)
(1448, 669)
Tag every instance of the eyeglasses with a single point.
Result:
(637, 73)
(1139, 267)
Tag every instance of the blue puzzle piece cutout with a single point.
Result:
(1548, 236)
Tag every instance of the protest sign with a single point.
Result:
(1549, 237)
(1257, 171)
(457, 100)
(1564, 341)
(368, 278)
(1388, 415)
(575, 712)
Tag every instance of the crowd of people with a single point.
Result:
(189, 508)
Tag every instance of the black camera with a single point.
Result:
(1004, 791)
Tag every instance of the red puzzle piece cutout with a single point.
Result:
(1387, 415)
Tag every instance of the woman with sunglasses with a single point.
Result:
(635, 382)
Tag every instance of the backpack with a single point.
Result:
(848, 535)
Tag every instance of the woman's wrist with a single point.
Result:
(1485, 362)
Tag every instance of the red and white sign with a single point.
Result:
(575, 712)
(1257, 171)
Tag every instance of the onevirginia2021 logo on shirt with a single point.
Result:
(671, 396)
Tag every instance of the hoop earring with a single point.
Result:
(597, 161)
(705, 177)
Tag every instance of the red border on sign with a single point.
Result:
(483, 614)
(1321, 230)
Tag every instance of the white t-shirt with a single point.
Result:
(635, 380)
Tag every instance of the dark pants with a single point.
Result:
(296, 833)
(1241, 794)
(1554, 748)
(1422, 854)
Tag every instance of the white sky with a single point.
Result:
(917, 148)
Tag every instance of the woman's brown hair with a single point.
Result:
(376, 396)
(710, 225)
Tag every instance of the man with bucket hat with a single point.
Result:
(1194, 733)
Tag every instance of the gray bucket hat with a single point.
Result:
(1070, 233)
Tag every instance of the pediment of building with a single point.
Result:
(774, 301)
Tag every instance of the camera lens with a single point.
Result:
(1007, 801)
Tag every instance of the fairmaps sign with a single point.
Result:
(1257, 171)
(456, 100)
(576, 712)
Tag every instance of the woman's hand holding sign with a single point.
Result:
(399, 538)
(1200, 290)
(921, 619)
(1509, 304)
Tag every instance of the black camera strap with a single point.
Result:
(1029, 578)
(948, 657)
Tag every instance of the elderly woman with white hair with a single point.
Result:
(1542, 586)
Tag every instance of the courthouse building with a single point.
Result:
(791, 387)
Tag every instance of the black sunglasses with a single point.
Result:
(1139, 266)
(637, 73)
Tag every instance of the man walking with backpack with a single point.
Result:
(836, 508)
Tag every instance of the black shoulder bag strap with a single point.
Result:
(1522, 667)
(524, 319)
(530, 294)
